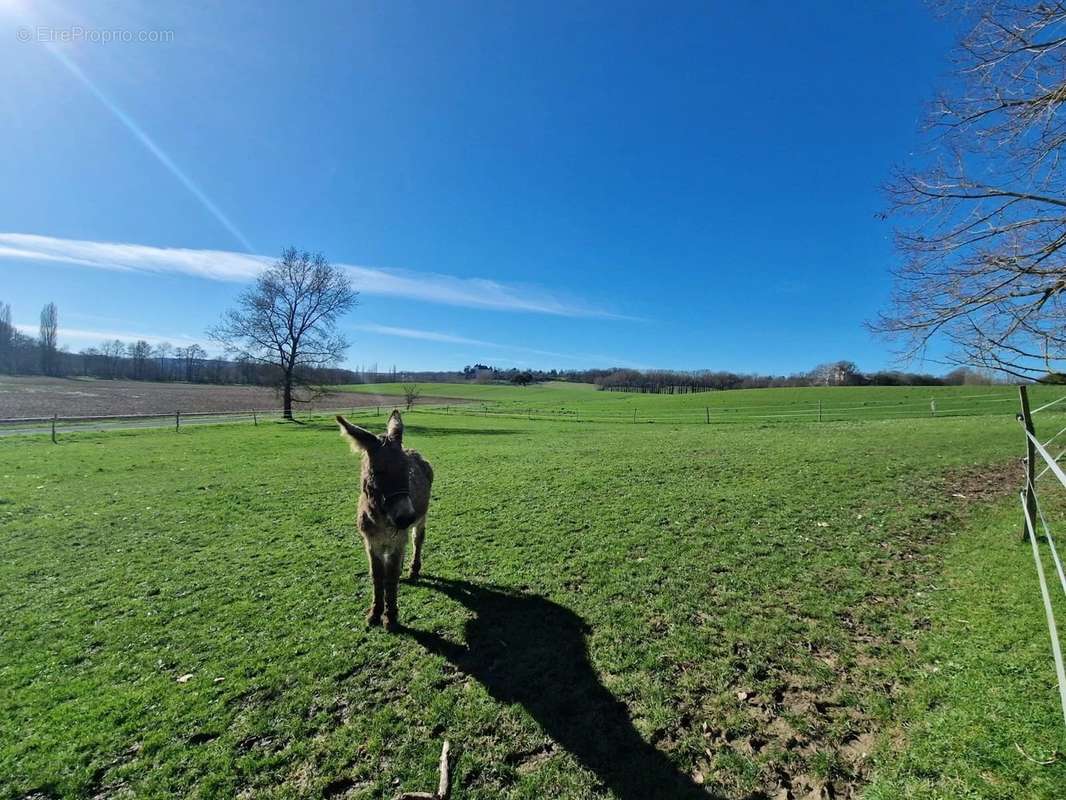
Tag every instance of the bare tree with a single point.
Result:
(162, 352)
(48, 339)
(7, 340)
(113, 351)
(411, 393)
(139, 352)
(288, 318)
(836, 373)
(91, 359)
(247, 369)
(192, 358)
(985, 209)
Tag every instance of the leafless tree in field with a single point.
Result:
(983, 264)
(288, 318)
(411, 392)
(7, 339)
(48, 339)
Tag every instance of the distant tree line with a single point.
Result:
(478, 373)
(115, 359)
(21, 354)
(836, 373)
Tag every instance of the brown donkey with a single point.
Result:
(394, 500)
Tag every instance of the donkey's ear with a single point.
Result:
(394, 430)
(357, 437)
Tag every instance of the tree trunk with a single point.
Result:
(287, 396)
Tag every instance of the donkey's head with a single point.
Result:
(385, 469)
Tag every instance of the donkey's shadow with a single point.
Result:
(526, 649)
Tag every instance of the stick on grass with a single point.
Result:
(444, 787)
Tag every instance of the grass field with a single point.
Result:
(629, 611)
(583, 402)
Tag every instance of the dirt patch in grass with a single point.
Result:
(806, 721)
(527, 761)
(342, 787)
(984, 484)
(807, 738)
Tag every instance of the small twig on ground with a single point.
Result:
(1054, 758)
(444, 787)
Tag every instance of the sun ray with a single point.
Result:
(150, 145)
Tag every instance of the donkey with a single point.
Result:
(394, 500)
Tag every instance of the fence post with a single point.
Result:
(707, 413)
(177, 421)
(1030, 459)
(54, 416)
(819, 410)
(634, 416)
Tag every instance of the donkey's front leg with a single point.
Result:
(393, 563)
(377, 576)
(418, 536)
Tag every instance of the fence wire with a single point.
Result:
(179, 420)
(1030, 492)
(803, 411)
(1048, 405)
(1049, 613)
(1051, 541)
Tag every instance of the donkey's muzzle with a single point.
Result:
(401, 511)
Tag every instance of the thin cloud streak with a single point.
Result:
(435, 336)
(216, 265)
(469, 292)
(414, 333)
(229, 266)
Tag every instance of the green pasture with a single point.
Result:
(608, 611)
(582, 401)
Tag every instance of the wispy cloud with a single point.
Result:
(415, 333)
(436, 336)
(225, 265)
(217, 265)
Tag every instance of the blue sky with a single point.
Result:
(532, 184)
